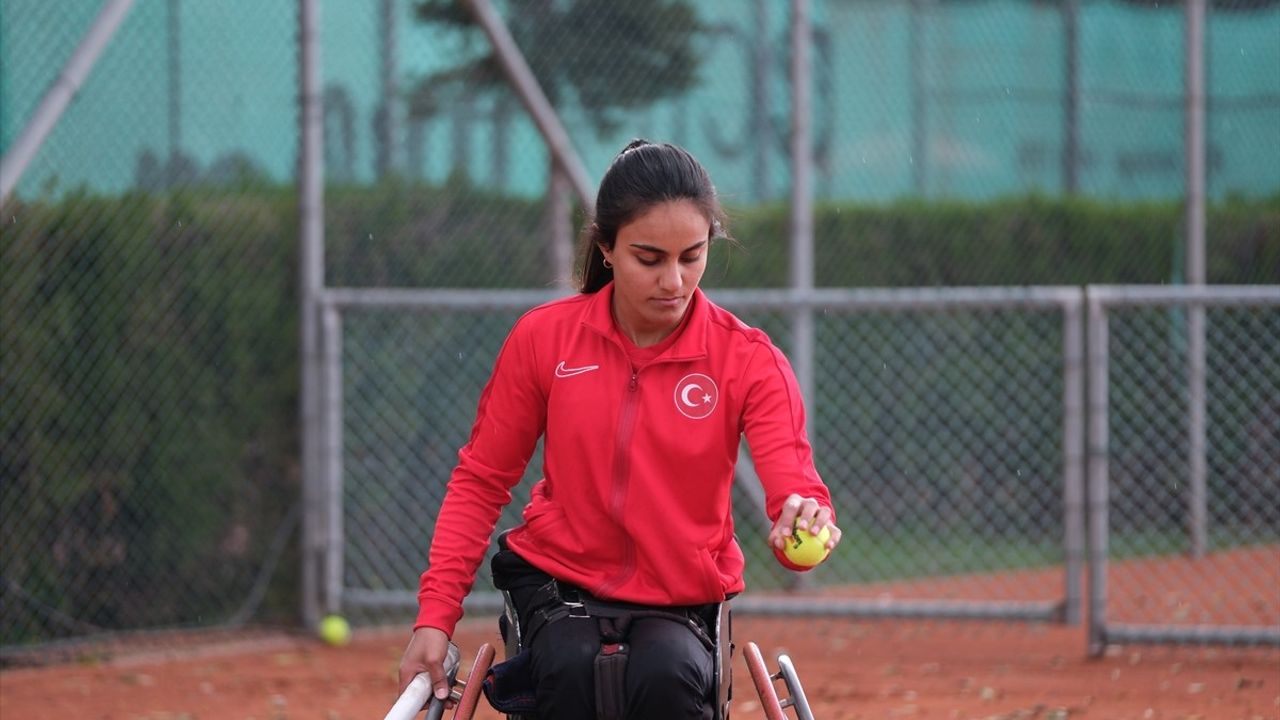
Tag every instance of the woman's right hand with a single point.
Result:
(426, 653)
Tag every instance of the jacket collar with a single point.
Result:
(692, 342)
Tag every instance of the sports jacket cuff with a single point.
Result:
(439, 614)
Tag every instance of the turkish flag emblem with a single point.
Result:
(696, 396)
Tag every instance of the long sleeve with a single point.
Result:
(510, 419)
(774, 422)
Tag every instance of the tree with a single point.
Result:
(611, 56)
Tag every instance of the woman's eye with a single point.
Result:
(688, 260)
(648, 261)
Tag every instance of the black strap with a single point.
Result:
(611, 668)
(549, 604)
(556, 601)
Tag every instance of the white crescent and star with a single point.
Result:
(696, 396)
(684, 395)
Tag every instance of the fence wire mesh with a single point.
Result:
(411, 382)
(147, 315)
(1232, 581)
(933, 121)
(940, 433)
(148, 267)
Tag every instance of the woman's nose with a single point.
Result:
(670, 278)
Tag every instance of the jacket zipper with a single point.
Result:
(622, 482)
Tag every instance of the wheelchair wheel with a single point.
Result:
(764, 683)
(797, 697)
(470, 695)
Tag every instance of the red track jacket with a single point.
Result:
(638, 462)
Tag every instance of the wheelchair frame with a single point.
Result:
(466, 694)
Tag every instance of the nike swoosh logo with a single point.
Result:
(564, 372)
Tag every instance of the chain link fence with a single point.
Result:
(421, 370)
(148, 353)
(1186, 433)
(941, 422)
(1045, 138)
(148, 267)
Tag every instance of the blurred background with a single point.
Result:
(214, 417)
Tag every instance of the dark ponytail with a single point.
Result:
(642, 175)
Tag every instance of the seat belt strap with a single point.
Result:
(611, 668)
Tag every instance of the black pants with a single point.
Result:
(670, 672)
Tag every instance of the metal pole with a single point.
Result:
(311, 284)
(761, 122)
(1195, 239)
(174, 31)
(801, 205)
(1099, 482)
(801, 220)
(1073, 455)
(332, 422)
(559, 229)
(387, 154)
(60, 94)
(534, 100)
(1191, 634)
(1071, 98)
(919, 130)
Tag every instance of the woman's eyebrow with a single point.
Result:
(660, 251)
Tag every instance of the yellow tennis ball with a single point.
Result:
(805, 549)
(335, 630)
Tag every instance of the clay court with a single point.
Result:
(851, 668)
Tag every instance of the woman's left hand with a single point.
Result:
(802, 513)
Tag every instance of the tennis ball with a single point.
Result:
(805, 549)
(335, 630)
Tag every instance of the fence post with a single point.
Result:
(802, 194)
(173, 33)
(1073, 469)
(1099, 459)
(1195, 271)
(1071, 98)
(331, 454)
(801, 208)
(387, 117)
(559, 227)
(919, 98)
(311, 281)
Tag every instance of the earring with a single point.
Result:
(607, 265)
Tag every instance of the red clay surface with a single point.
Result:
(851, 668)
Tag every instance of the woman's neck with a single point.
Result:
(643, 337)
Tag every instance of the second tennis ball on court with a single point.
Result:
(806, 549)
(335, 630)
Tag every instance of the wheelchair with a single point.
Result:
(466, 693)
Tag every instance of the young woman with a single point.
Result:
(641, 388)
